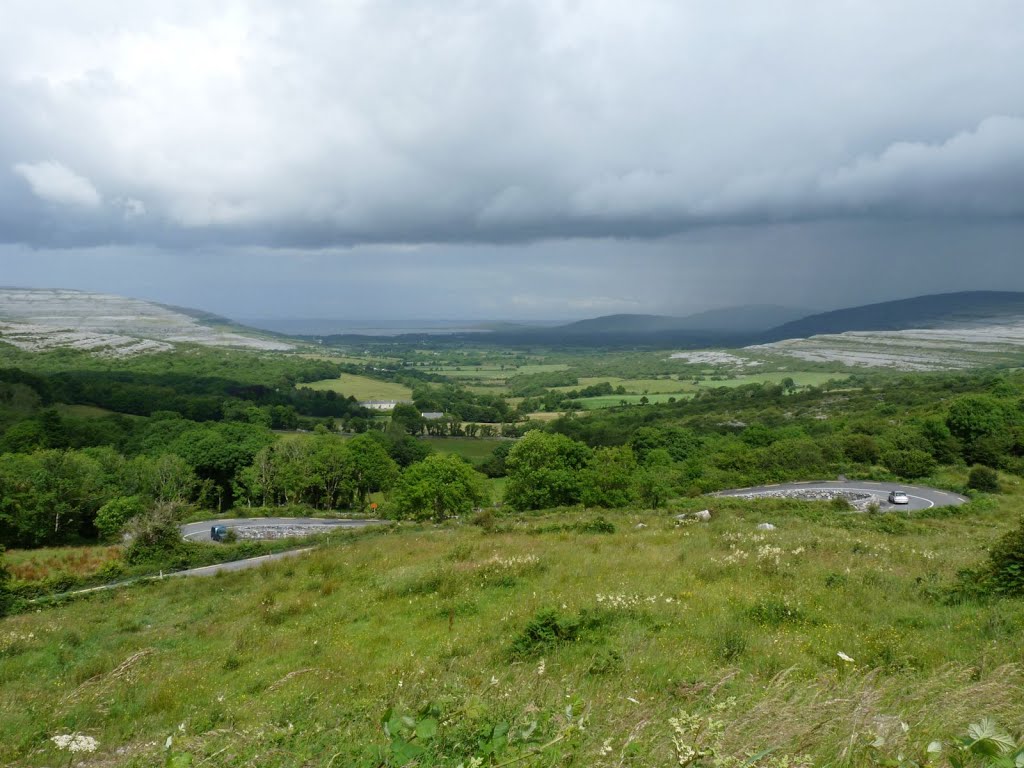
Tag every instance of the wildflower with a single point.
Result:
(844, 657)
(167, 744)
(494, 680)
(541, 668)
(606, 748)
(75, 742)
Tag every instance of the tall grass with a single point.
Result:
(538, 641)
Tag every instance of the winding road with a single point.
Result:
(920, 497)
(201, 531)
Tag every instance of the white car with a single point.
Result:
(898, 497)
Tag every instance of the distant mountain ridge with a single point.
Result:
(933, 310)
(750, 318)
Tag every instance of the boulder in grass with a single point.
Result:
(703, 516)
(765, 527)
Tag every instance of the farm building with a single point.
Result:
(382, 405)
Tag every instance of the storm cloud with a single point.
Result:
(537, 158)
(319, 124)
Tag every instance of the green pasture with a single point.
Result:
(362, 388)
(613, 401)
(475, 449)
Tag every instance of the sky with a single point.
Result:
(395, 160)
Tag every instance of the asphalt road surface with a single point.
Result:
(201, 531)
(920, 497)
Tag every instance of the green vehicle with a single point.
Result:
(218, 532)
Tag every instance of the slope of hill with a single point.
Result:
(816, 636)
(948, 309)
(747, 318)
(111, 326)
(752, 318)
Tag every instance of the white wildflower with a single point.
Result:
(844, 657)
(75, 742)
(606, 748)
(541, 668)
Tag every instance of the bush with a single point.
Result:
(441, 486)
(6, 596)
(1006, 564)
(156, 537)
(984, 479)
(909, 463)
(113, 516)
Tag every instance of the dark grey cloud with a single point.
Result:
(812, 265)
(311, 125)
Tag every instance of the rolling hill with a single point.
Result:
(114, 326)
(965, 308)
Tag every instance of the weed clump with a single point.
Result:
(597, 525)
(772, 612)
(548, 629)
(545, 630)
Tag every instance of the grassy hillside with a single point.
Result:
(547, 638)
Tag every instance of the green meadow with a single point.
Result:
(362, 388)
(561, 638)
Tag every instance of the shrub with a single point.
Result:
(440, 486)
(6, 597)
(113, 516)
(155, 537)
(1006, 564)
(983, 478)
(909, 463)
(861, 448)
